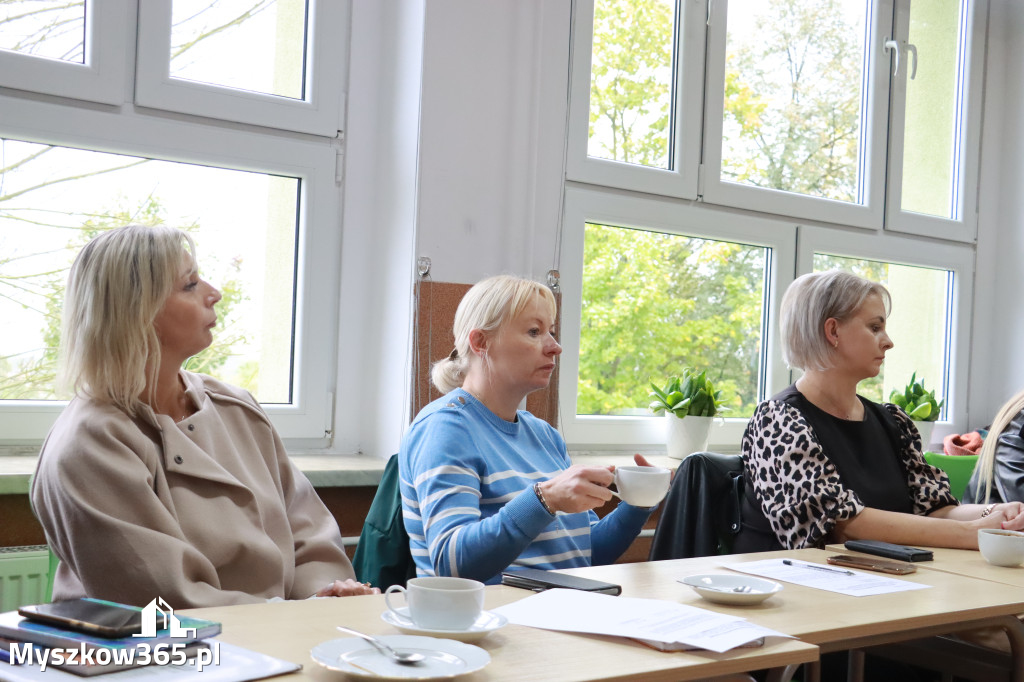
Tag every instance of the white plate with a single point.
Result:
(485, 624)
(358, 658)
(718, 588)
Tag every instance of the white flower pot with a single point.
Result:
(687, 435)
(925, 429)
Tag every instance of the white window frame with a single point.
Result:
(306, 422)
(101, 78)
(963, 228)
(689, 77)
(870, 213)
(891, 248)
(320, 113)
(583, 205)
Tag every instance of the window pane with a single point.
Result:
(257, 45)
(655, 303)
(918, 324)
(931, 163)
(53, 199)
(631, 82)
(44, 28)
(793, 96)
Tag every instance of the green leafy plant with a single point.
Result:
(692, 394)
(919, 404)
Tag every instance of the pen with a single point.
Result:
(788, 562)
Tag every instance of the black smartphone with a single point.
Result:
(92, 616)
(889, 550)
(539, 580)
(872, 564)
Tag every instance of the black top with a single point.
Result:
(865, 454)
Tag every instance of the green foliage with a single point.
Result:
(691, 395)
(920, 405)
(792, 102)
(653, 303)
(630, 86)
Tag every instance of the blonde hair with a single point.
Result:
(987, 460)
(812, 299)
(117, 284)
(487, 306)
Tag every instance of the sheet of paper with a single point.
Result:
(825, 577)
(649, 619)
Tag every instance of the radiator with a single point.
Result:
(23, 576)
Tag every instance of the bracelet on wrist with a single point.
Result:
(540, 497)
(988, 510)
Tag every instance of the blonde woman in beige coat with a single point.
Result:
(155, 481)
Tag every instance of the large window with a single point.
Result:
(261, 202)
(725, 138)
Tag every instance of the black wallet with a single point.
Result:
(538, 580)
(888, 549)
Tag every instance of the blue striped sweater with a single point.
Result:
(467, 496)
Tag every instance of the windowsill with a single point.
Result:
(324, 471)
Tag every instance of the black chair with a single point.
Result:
(701, 514)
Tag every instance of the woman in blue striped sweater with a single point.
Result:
(488, 487)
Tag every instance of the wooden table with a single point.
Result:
(836, 622)
(290, 629)
(970, 564)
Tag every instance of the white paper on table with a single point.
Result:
(649, 619)
(825, 577)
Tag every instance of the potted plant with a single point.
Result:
(920, 405)
(688, 402)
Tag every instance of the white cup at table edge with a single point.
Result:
(439, 602)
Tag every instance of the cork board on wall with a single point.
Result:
(436, 303)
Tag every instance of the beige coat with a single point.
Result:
(204, 512)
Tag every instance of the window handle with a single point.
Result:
(895, 46)
(912, 49)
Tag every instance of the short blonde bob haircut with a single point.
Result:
(487, 306)
(811, 300)
(118, 283)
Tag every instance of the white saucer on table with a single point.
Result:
(718, 587)
(485, 624)
(356, 657)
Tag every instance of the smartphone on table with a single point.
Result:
(92, 616)
(872, 564)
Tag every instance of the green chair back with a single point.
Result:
(958, 467)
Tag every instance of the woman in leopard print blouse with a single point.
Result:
(824, 464)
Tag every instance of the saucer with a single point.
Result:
(718, 588)
(358, 658)
(485, 624)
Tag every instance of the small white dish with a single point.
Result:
(719, 588)
(485, 624)
(356, 657)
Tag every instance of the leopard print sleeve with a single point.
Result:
(928, 485)
(799, 489)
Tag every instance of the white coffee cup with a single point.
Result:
(642, 486)
(1001, 547)
(440, 603)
